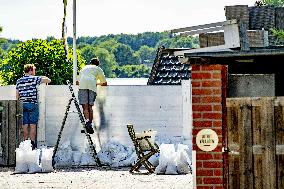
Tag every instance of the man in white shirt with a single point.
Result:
(90, 76)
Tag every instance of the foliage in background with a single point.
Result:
(146, 54)
(279, 34)
(48, 57)
(132, 71)
(121, 55)
(279, 3)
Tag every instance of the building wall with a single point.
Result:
(166, 109)
(251, 85)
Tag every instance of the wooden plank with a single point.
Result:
(205, 49)
(245, 132)
(267, 125)
(233, 143)
(257, 143)
(20, 136)
(204, 26)
(4, 131)
(12, 133)
(1, 133)
(203, 30)
(279, 124)
(232, 36)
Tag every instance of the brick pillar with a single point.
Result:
(209, 85)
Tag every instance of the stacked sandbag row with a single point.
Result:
(33, 161)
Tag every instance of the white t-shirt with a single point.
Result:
(89, 75)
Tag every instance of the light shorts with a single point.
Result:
(30, 113)
(87, 96)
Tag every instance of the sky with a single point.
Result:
(27, 19)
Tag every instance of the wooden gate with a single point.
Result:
(256, 142)
(10, 119)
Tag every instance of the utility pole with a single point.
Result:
(74, 44)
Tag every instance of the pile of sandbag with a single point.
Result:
(115, 154)
(172, 162)
(66, 157)
(33, 161)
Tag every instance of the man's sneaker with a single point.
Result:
(89, 127)
(33, 145)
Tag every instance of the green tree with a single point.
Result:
(110, 45)
(165, 42)
(125, 55)
(48, 57)
(183, 42)
(131, 71)
(107, 61)
(279, 3)
(88, 52)
(146, 54)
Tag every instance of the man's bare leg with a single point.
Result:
(33, 132)
(86, 111)
(90, 107)
(25, 131)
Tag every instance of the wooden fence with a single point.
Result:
(10, 119)
(256, 142)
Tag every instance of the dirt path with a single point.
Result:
(95, 178)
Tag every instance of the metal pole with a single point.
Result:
(74, 44)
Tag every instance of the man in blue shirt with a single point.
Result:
(26, 91)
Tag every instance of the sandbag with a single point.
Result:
(183, 160)
(21, 163)
(77, 155)
(167, 158)
(87, 159)
(32, 158)
(115, 154)
(46, 159)
(63, 157)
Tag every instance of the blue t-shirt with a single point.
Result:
(27, 87)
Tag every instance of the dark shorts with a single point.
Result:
(30, 113)
(86, 96)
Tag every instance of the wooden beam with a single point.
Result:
(206, 49)
(204, 26)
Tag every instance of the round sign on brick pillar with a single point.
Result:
(208, 96)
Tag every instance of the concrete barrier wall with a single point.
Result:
(166, 109)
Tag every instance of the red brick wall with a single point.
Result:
(209, 83)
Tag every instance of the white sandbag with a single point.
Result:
(126, 161)
(171, 170)
(32, 158)
(183, 166)
(160, 169)
(154, 159)
(21, 164)
(115, 154)
(77, 157)
(167, 158)
(46, 159)
(104, 157)
(87, 159)
(64, 155)
(26, 145)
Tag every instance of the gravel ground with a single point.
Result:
(97, 178)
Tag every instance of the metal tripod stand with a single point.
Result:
(73, 98)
